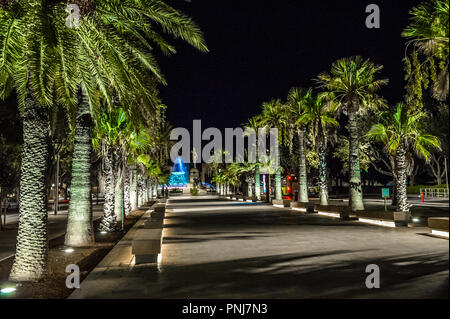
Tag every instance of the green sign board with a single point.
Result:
(385, 192)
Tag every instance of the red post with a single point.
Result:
(422, 198)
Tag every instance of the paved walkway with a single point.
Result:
(216, 248)
(57, 225)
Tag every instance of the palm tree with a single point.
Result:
(42, 59)
(401, 133)
(428, 31)
(297, 102)
(353, 84)
(319, 113)
(253, 124)
(27, 66)
(108, 134)
(139, 142)
(115, 46)
(274, 116)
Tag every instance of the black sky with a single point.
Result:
(259, 49)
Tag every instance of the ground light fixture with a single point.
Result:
(7, 290)
(69, 250)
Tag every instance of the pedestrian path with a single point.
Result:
(57, 225)
(218, 248)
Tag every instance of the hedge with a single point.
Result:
(416, 188)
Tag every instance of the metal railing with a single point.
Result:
(434, 192)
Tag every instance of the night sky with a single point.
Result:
(259, 49)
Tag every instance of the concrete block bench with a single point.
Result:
(335, 211)
(154, 223)
(146, 245)
(438, 226)
(281, 202)
(302, 207)
(157, 214)
(382, 218)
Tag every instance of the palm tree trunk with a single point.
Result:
(402, 197)
(133, 188)
(323, 185)
(356, 197)
(303, 180)
(126, 189)
(109, 219)
(118, 192)
(141, 189)
(32, 240)
(80, 229)
(257, 184)
(394, 181)
(249, 188)
(278, 193)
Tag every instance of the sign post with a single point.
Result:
(385, 195)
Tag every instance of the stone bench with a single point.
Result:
(302, 207)
(159, 211)
(281, 202)
(146, 245)
(439, 226)
(336, 211)
(382, 218)
(154, 223)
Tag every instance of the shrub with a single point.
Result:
(416, 188)
(194, 191)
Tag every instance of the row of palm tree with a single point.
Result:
(351, 88)
(104, 63)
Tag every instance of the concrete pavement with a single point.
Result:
(216, 248)
(56, 227)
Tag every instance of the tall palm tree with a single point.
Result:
(353, 83)
(297, 103)
(27, 66)
(253, 124)
(42, 59)
(274, 116)
(428, 31)
(108, 134)
(319, 113)
(401, 133)
(115, 45)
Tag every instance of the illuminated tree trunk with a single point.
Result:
(302, 180)
(133, 188)
(109, 219)
(126, 190)
(323, 185)
(141, 189)
(32, 240)
(356, 196)
(80, 229)
(394, 181)
(278, 193)
(257, 184)
(402, 197)
(118, 188)
(249, 186)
